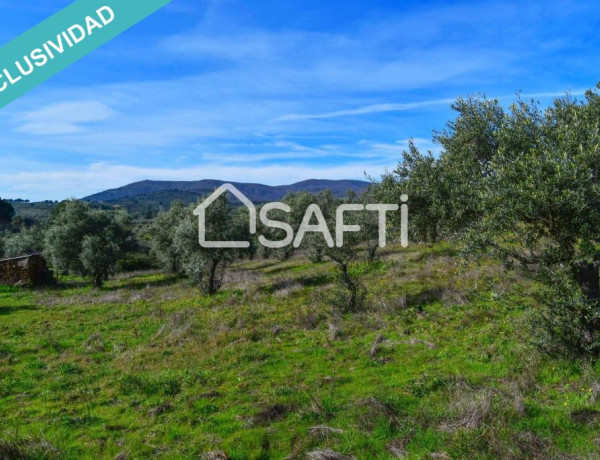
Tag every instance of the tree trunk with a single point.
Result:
(212, 289)
(372, 251)
(351, 285)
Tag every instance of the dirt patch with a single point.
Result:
(272, 413)
(585, 416)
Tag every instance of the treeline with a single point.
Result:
(76, 239)
(520, 185)
(96, 243)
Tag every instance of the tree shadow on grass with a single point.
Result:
(139, 284)
(316, 280)
(266, 264)
(15, 309)
(423, 298)
(279, 270)
(292, 267)
(306, 281)
(131, 284)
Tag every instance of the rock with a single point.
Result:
(322, 431)
(158, 410)
(327, 454)
(214, 455)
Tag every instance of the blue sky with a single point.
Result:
(276, 92)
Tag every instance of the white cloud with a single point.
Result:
(401, 107)
(366, 110)
(62, 118)
(242, 46)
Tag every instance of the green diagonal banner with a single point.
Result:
(64, 38)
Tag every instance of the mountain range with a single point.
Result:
(256, 192)
(151, 196)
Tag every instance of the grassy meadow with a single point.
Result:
(440, 365)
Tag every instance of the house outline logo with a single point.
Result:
(200, 211)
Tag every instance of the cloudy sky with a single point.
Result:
(279, 91)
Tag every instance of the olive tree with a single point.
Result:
(88, 242)
(352, 293)
(444, 190)
(162, 237)
(541, 212)
(69, 223)
(353, 296)
(99, 257)
(206, 267)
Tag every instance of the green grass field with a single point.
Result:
(439, 366)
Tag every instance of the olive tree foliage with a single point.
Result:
(28, 240)
(99, 256)
(161, 235)
(206, 267)
(69, 223)
(240, 218)
(469, 144)
(421, 177)
(443, 191)
(313, 243)
(298, 202)
(539, 203)
(88, 242)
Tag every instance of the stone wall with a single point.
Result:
(21, 271)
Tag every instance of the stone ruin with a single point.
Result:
(25, 270)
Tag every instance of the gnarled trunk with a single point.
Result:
(212, 280)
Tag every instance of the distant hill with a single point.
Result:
(149, 197)
(256, 192)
